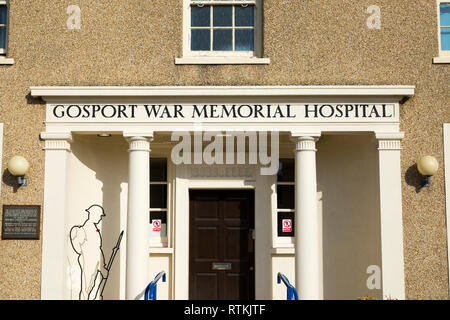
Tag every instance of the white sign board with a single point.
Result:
(236, 113)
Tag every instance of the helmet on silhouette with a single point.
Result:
(95, 212)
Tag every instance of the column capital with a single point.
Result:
(389, 141)
(57, 141)
(306, 142)
(135, 135)
(139, 143)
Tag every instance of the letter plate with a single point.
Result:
(221, 266)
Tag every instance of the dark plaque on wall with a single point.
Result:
(20, 222)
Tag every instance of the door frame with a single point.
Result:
(251, 216)
(217, 177)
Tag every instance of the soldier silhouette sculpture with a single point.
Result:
(86, 241)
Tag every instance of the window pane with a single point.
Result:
(223, 40)
(285, 197)
(244, 40)
(160, 225)
(445, 38)
(158, 170)
(286, 224)
(286, 171)
(244, 16)
(158, 196)
(200, 16)
(445, 14)
(3, 37)
(223, 16)
(3, 10)
(200, 40)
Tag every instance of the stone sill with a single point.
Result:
(165, 250)
(221, 60)
(6, 61)
(283, 250)
(439, 60)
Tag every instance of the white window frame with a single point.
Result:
(3, 52)
(282, 242)
(222, 57)
(444, 55)
(163, 241)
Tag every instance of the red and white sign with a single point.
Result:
(156, 225)
(287, 225)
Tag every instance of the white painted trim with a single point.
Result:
(395, 92)
(165, 250)
(186, 180)
(284, 251)
(444, 56)
(3, 59)
(63, 136)
(391, 215)
(439, 60)
(228, 56)
(222, 60)
(54, 260)
(447, 188)
(6, 61)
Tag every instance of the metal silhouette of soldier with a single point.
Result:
(86, 241)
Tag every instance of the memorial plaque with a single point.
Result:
(20, 222)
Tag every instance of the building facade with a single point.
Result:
(224, 142)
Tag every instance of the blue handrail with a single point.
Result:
(291, 292)
(150, 291)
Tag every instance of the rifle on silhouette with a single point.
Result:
(102, 284)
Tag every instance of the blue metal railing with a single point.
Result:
(291, 292)
(150, 291)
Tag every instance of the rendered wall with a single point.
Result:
(347, 176)
(134, 43)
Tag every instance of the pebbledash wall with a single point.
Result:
(136, 43)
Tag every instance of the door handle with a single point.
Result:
(251, 240)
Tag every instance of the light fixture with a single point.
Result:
(18, 166)
(427, 166)
(104, 135)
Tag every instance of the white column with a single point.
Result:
(391, 215)
(53, 276)
(308, 248)
(138, 216)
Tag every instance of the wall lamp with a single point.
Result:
(427, 166)
(18, 166)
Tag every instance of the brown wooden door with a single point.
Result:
(221, 261)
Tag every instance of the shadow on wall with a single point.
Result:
(347, 176)
(10, 180)
(413, 177)
(109, 162)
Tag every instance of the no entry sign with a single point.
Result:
(287, 225)
(156, 225)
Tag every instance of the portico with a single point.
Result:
(296, 120)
